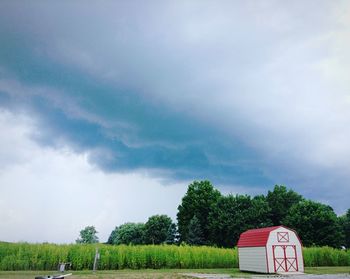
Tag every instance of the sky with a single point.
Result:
(110, 109)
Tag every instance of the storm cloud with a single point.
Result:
(246, 94)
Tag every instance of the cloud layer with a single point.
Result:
(245, 94)
(51, 194)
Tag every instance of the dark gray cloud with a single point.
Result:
(242, 93)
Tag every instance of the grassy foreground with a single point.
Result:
(159, 273)
(125, 274)
(328, 269)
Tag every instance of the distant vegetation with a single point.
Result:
(206, 220)
(24, 256)
(88, 235)
(206, 217)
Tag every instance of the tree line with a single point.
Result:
(207, 217)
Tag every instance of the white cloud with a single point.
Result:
(51, 194)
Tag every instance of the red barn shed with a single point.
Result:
(270, 250)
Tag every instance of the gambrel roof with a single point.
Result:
(256, 237)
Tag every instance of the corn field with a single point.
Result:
(326, 256)
(25, 256)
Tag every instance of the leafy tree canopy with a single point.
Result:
(156, 229)
(344, 222)
(347, 229)
(129, 233)
(199, 200)
(172, 235)
(233, 215)
(195, 233)
(207, 217)
(280, 200)
(316, 224)
(112, 239)
(88, 235)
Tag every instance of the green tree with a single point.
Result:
(260, 212)
(316, 224)
(195, 233)
(172, 234)
(130, 233)
(235, 214)
(88, 235)
(345, 225)
(347, 229)
(112, 239)
(199, 200)
(280, 200)
(156, 229)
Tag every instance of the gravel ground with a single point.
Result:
(298, 276)
(311, 276)
(306, 276)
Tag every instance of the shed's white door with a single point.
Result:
(285, 258)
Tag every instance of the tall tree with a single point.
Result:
(235, 214)
(112, 239)
(172, 235)
(130, 233)
(199, 200)
(345, 225)
(156, 229)
(316, 224)
(88, 235)
(347, 229)
(195, 233)
(280, 200)
(260, 212)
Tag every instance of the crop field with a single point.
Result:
(24, 256)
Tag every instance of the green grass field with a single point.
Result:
(25, 256)
(25, 261)
(159, 273)
(137, 274)
(328, 269)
